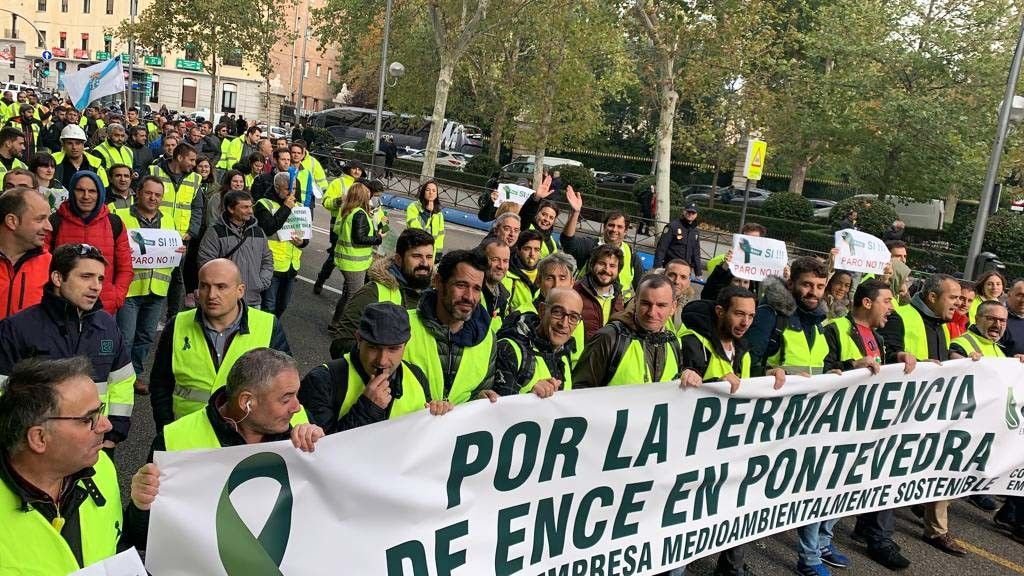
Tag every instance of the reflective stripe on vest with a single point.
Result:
(177, 202)
(90, 159)
(422, 351)
(287, 256)
(146, 281)
(972, 342)
(195, 375)
(434, 224)
(413, 397)
(347, 256)
(719, 367)
(194, 432)
(798, 357)
(540, 368)
(915, 342)
(633, 368)
(30, 545)
(113, 156)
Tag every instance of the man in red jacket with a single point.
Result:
(24, 263)
(85, 219)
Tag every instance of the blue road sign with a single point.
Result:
(47, 55)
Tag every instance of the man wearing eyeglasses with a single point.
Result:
(60, 506)
(70, 321)
(535, 353)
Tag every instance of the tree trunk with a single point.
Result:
(663, 151)
(796, 181)
(714, 178)
(541, 143)
(213, 88)
(444, 85)
(497, 133)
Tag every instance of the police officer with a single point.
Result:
(371, 382)
(198, 347)
(61, 502)
(535, 353)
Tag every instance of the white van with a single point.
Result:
(521, 167)
(929, 214)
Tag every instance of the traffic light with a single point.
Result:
(46, 69)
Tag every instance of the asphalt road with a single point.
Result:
(992, 553)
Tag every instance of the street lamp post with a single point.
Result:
(380, 89)
(1005, 110)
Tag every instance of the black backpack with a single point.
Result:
(116, 228)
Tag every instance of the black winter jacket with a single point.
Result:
(700, 317)
(680, 240)
(510, 374)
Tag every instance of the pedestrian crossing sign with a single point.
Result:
(757, 150)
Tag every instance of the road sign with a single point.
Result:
(47, 55)
(757, 151)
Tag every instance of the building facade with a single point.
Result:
(77, 34)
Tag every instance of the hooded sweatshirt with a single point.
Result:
(96, 227)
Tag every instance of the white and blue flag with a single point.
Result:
(94, 82)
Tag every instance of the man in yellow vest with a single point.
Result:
(139, 318)
(182, 205)
(634, 348)
(616, 224)
(12, 144)
(713, 349)
(198, 347)
(272, 213)
(73, 157)
(520, 280)
(497, 299)
(336, 190)
(787, 331)
(259, 403)
(916, 328)
(310, 173)
(680, 273)
(451, 338)
(854, 343)
(535, 354)
(401, 280)
(60, 505)
(982, 339)
(114, 150)
(372, 382)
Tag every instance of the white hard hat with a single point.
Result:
(72, 132)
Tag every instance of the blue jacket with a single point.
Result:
(53, 329)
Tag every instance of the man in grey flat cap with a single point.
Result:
(370, 383)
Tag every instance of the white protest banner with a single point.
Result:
(756, 258)
(512, 193)
(127, 563)
(644, 477)
(860, 252)
(301, 220)
(154, 248)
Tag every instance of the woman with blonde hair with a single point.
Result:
(353, 253)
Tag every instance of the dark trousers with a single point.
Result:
(328, 266)
(276, 298)
(877, 528)
(175, 292)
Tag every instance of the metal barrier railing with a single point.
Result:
(465, 197)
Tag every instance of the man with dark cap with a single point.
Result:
(680, 240)
(371, 383)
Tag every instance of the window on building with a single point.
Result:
(305, 68)
(330, 74)
(154, 90)
(158, 50)
(85, 44)
(107, 45)
(317, 70)
(233, 58)
(189, 91)
(41, 38)
(63, 42)
(63, 5)
(110, 6)
(228, 98)
(86, 6)
(41, 5)
(191, 53)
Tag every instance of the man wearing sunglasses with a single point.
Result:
(60, 506)
(70, 321)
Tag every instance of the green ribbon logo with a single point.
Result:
(851, 242)
(141, 240)
(1012, 421)
(241, 552)
(748, 250)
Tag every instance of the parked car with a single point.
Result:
(821, 207)
(755, 200)
(722, 196)
(520, 170)
(445, 158)
(623, 181)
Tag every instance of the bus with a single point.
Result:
(350, 123)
